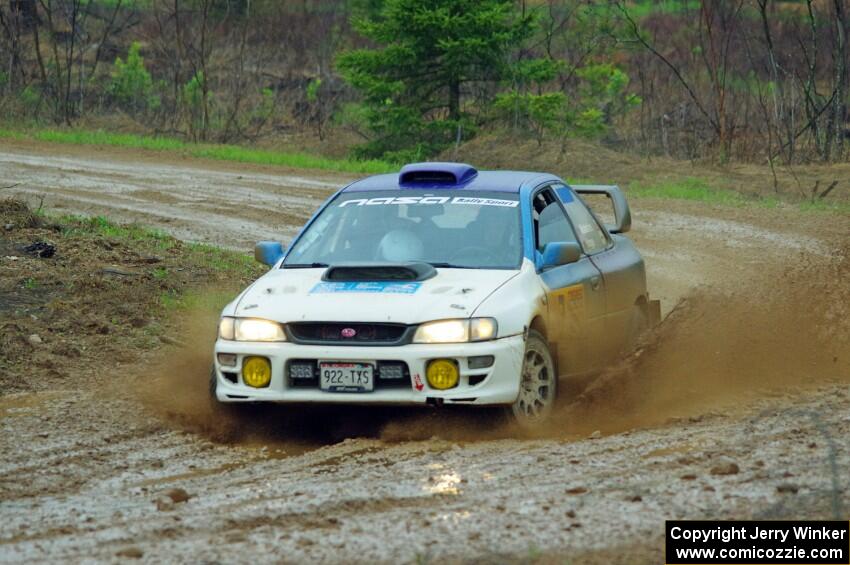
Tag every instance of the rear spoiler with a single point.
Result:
(622, 214)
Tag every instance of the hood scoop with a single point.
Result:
(404, 272)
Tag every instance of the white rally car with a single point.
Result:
(438, 285)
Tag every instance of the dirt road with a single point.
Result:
(223, 204)
(685, 427)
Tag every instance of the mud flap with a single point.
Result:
(653, 311)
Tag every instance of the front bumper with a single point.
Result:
(499, 385)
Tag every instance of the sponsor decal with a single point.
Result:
(417, 382)
(385, 201)
(366, 287)
(569, 298)
(569, 303)
(485, 201)
(574, 296)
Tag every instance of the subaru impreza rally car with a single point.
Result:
(438, 285)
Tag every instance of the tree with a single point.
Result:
(599, 93)
(429, 57)
(132, 85)
(713, 42)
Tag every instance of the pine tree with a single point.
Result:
(430, 57)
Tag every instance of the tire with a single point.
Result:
(213, 386)
(232, 409)
(538, 389)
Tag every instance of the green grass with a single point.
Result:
(233, 263)
(101, 226)
(126, 4)
(698, 190)
(206, 301)
(821, 206)
(206, 151)
(10, 134)
(224, 259)
(296, 160)
(84, 137)
(643, 8)
(688, 189)
(203, 254)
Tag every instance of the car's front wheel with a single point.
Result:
(538, 387)
(224, 408)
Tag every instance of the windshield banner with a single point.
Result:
(390, 200)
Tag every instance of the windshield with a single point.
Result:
(447, 228)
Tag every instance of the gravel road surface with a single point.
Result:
(720, 424)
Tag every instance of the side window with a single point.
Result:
(550, 222)
(591, 236)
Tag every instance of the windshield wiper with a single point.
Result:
(439, 265)
(303, 265)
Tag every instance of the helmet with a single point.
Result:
(400, 245)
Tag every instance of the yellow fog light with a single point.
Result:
(256, 372)
(442, 374)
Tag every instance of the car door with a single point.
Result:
(622, 271)
(575, 292)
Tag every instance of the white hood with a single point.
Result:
(292, 295)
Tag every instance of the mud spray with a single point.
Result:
(786, 330)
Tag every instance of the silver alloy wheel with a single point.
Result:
(539, 384)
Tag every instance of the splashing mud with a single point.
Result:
(719, 352)
(176, 389)
(716, 352)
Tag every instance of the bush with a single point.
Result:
(587, 112)
(196, 106)
(31, 99)
(132, 86)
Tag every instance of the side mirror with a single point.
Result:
(559, 253)
(622, 214)
(268, 252)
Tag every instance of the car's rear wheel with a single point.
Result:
(538, 388)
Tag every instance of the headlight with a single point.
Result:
(456, 331)
(226, 328)
(250, 329)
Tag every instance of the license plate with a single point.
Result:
(346, 377)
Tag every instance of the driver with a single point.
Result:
(487, 231)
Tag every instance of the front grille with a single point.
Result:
(342, 333)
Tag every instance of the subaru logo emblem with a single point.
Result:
(348, 332)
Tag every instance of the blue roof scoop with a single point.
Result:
(435, 175)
